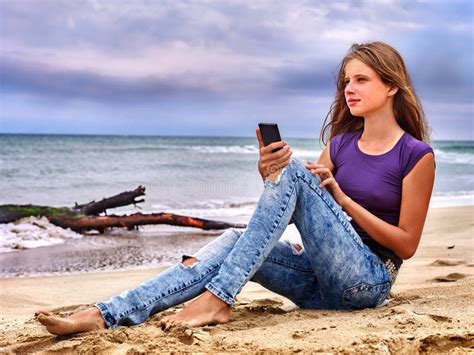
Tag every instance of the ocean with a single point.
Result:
(207, 177)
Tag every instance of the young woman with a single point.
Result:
(360, 211)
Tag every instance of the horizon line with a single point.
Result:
(168, 135)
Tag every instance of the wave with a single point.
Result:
(452, 198)
(219, 149)
(211, 208)
(454, 158)
(210, 204)
(463, 147)
(216, 213)
(459, 193)
(32, 232)
(208, 149)
(312, 154)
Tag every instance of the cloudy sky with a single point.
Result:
(218, 67)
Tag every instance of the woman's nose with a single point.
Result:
(348, 89)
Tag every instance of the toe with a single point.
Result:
(48, 313)
(166, 324)
(47, 320)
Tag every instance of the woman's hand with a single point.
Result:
(328, 180)
(271, 163)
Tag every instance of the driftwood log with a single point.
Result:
(85, 217)
(123, 199)
(132, 221)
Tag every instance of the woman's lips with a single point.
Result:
(352, 102)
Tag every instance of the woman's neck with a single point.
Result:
(381, 127)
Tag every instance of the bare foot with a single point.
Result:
(83, 321)
(205, 310)
(47, 313)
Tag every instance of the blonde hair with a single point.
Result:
(389, 65)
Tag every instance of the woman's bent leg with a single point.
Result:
(288, 271)
(176, 285)
(339, 258)
(350, 275)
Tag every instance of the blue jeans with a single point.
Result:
(334, 270)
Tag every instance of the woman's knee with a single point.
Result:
(298, 167)
(189, 260)
(216, 249)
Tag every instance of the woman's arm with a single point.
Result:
(417, 187)
(403, 239)
(325, 158)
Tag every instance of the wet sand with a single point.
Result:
(116, 250)
(430, 309)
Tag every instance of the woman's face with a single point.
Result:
(364, 91)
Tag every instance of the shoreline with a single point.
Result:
(137, 250)
(429, 309)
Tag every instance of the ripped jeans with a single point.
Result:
(334, 270)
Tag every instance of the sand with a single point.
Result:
(430, 310)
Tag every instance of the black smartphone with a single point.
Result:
(270, 134)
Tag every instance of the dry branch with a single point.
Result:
(86, 217)
(131, 221)
(123, 199)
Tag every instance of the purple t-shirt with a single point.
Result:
(375, 181)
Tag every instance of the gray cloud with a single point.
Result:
(36, 79)
(217, 53)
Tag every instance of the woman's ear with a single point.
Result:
(392, 90)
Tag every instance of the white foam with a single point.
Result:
(238, 149)
(214, 213)
(312, 155)
(454, 157)
(241, 149)
(452, 200)
(32, 232)
(209, 204)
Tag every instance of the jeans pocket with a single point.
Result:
(364, 295)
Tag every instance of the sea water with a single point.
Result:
(206, 177)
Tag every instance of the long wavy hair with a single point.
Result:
(389, 65)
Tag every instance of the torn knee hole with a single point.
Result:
(189, 260)
(297, 247)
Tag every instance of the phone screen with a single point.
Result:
(270, 134)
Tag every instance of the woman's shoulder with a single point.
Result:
(412, 147)
(413, 143)
(339, 143)
(412, 150)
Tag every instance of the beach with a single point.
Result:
(129, 129)
(430, 309)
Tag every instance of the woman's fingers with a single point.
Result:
(259, 138)
(327, 182)
(285, 158)
(310, 165)
(277, 164)
(269, 156)
(272, 146)
(270, 161)
(321, 171)
(280, 162)
(325, 174)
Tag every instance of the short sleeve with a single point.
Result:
(419, 150)
(334, 147)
